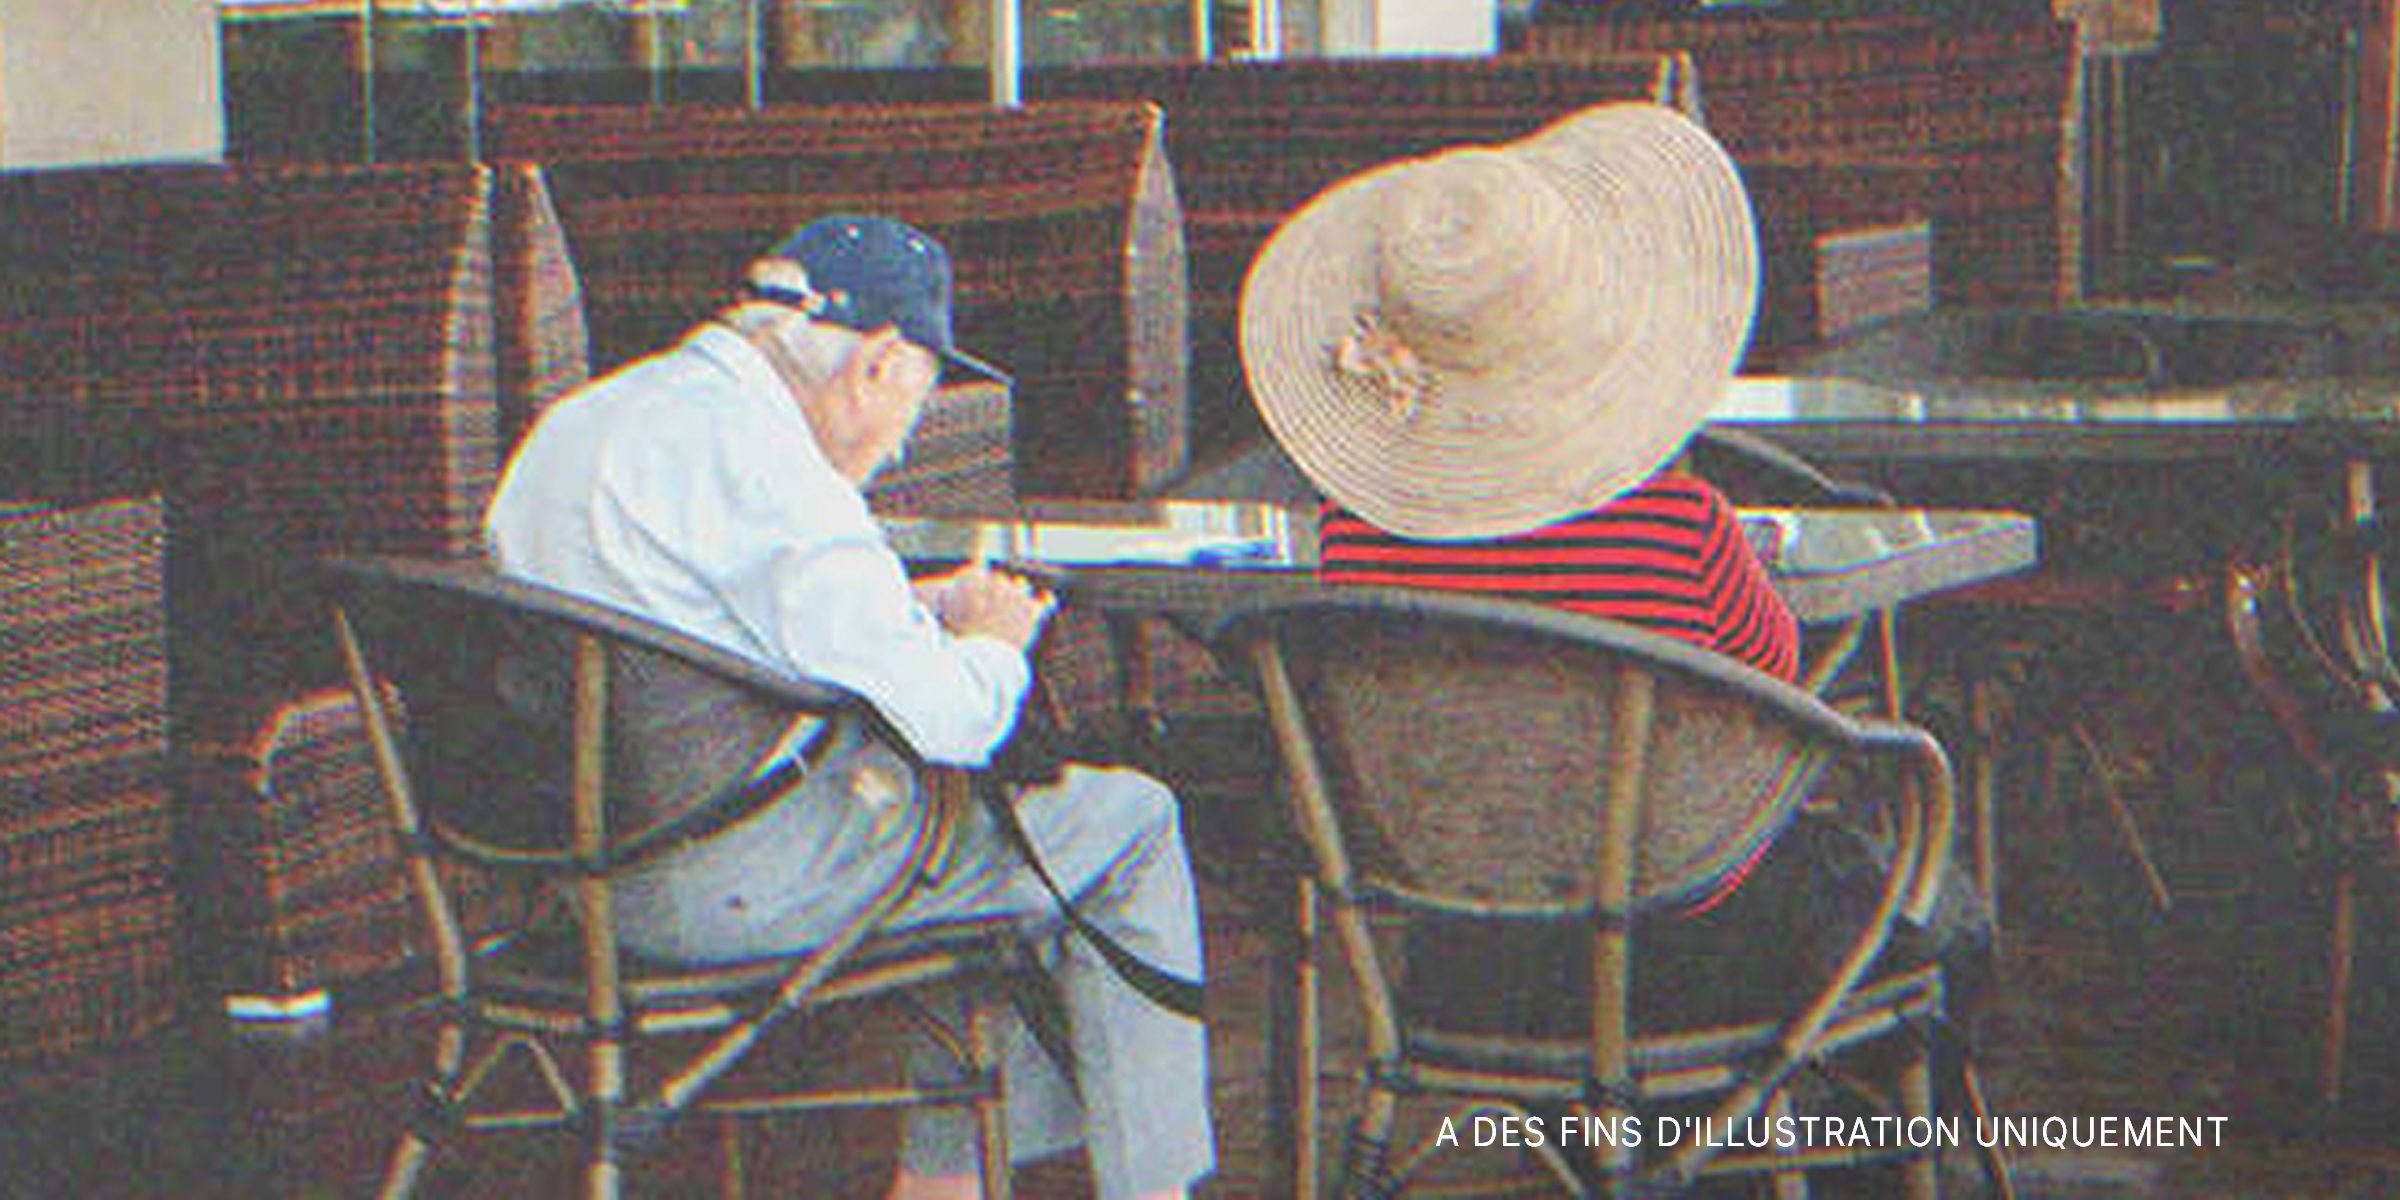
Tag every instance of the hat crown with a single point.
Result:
(873, 271)
(1478, 261)
(868, 272)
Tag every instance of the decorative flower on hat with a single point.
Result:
(1374, 354)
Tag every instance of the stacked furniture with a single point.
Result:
(1839, 248)
(1972, 123)
(1062, 220)
(303, 360)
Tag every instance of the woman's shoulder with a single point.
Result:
(1672, 482)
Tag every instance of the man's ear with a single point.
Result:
(883, 367)
(897, 368)
(868, 366)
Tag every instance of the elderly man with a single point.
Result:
(716, 487)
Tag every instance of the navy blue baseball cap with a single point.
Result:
(868, 272)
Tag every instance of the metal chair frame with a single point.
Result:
(502, 994)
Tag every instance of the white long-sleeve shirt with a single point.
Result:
(689, 488)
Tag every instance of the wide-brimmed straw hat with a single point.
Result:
(1493, 338)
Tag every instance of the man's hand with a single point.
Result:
(979, 600)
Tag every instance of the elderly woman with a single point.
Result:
(1489, 361)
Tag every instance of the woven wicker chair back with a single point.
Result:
(310, 356)
(485, 687)
(1253, 141)
(88, 908)
(1470, 759)
(1964, 121)
(1062, 220)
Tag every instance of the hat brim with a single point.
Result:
(1657, 199)
(972, 365)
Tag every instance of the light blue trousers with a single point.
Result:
(785, 879)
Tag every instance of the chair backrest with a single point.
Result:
(1252, 141)
(1062, 220)
(1967, 115)
(1472, 750)
(303, 359)
(2303, 614)
(89, 915)
(486, 679)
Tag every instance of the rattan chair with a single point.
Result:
(1489, 760)
(2312, 628)
(522, 731)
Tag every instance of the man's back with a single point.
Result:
(688, 489)
(636, 489)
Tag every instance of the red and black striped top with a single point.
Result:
(1669, 555)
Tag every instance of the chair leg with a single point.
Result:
(1979, 1110)
(1367, 1164)
(730, 1181)
(438, 1095)
(2127, 828)
(1294, 1108)
(1787, 1185)
(1982, 769)
(1292, 1101)
(602, 1179)
(1920, 1178)
(991, 1111)
(603, 1175)
(408, 1165)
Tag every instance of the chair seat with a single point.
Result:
(542, 968)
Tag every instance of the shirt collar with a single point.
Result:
(733, 353)
(753, 376)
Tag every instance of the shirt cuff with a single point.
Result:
(1004, 665)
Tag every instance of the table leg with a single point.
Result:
(1983, 753)
(1895, 693)
(1830, 660)
(1137, 689)
(2337, 981)
(2372, 648)
(1292, 1052)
